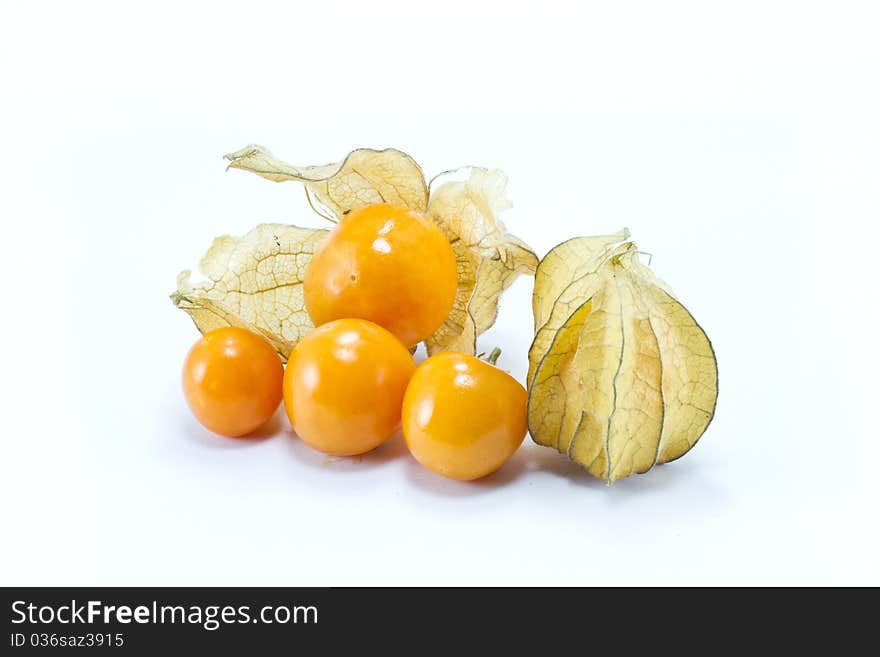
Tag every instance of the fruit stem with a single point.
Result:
(492, 358)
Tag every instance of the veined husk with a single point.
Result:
(621, 376)
(255, 281)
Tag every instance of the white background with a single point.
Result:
(738, 141)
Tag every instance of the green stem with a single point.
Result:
(492, 358)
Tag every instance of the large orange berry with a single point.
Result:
(344, 385)
(462, 417)
(387, 264)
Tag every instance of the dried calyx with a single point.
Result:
(621, 377)
(255, 281)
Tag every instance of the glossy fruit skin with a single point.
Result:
(232, 381)
(387, 264)
(344, 386)
(462, 417)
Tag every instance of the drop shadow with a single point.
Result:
(665, 477)
(196, 433)
(548, 461)
(391, 450)
(436, 484)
